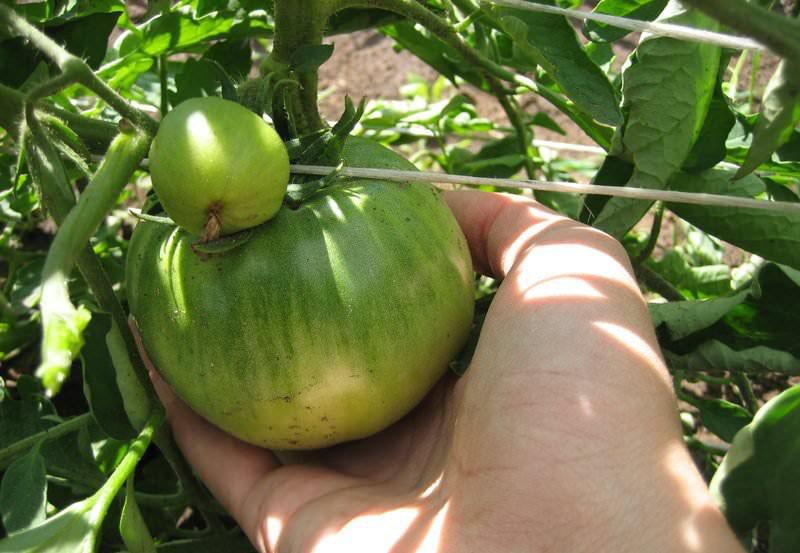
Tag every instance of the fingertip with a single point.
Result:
(476, 212)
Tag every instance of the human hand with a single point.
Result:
(561, 436)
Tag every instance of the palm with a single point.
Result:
(387, 474)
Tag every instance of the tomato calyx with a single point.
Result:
(298, 192)
(222, 244)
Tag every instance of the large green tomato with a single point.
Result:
(328, 325)
(215, 156)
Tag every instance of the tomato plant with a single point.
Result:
(316, 277)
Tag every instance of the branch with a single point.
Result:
(74, 69)
(299, 23)
(445, 32)
(74, 233)
(11, 106)
(779, 34)
(95, 133)
(8, 454)
(512, 110)
(657, 283)
(493, 73)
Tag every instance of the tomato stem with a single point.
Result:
(8, 454)
(95, 133)
(74, 69)
(779, 34)
(76, 229)
(300, 23)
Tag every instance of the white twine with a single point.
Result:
(662, 29)
(697, 198)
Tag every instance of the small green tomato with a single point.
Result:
(217, 167)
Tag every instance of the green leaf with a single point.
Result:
(123, 75)
(87, 37)
(615, 171)
(83, 34)
(704, 281)
(310, 56)
(351, 20)
(70, 456)
(713, 355)
(174, 32)
(779, 192)
(197, 78)
(99, 382)
(132, 526)
(756, 334)
(20, 418)
(234, 55)
(780, 114)
(771, 235)
(721, 417)
(73, 530)
(753, 482)
(224, 243)
(18, 61)
(439, 55)
(550, 41)
(498, 158)
(51, 12)
(665, 72)
(643, 10)
(76, 528)
(23, 492)
(135, 399)
(682, 318)
(711, 146)
(230, 543)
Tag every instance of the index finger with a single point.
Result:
(499, 227)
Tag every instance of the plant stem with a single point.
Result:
(493, 73)
(162, 78)
(11, 106)
(755, 69)
(443, 30)
(97, 134)
(657, 283)
(125, 468)
(694, 443)
(58, 199)
(746, 391)
(512, 110)
(8, 454)
(189, 485)
(652, 240)
(300, 23)
(75, 229)
(74, 68)
(779, 34)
